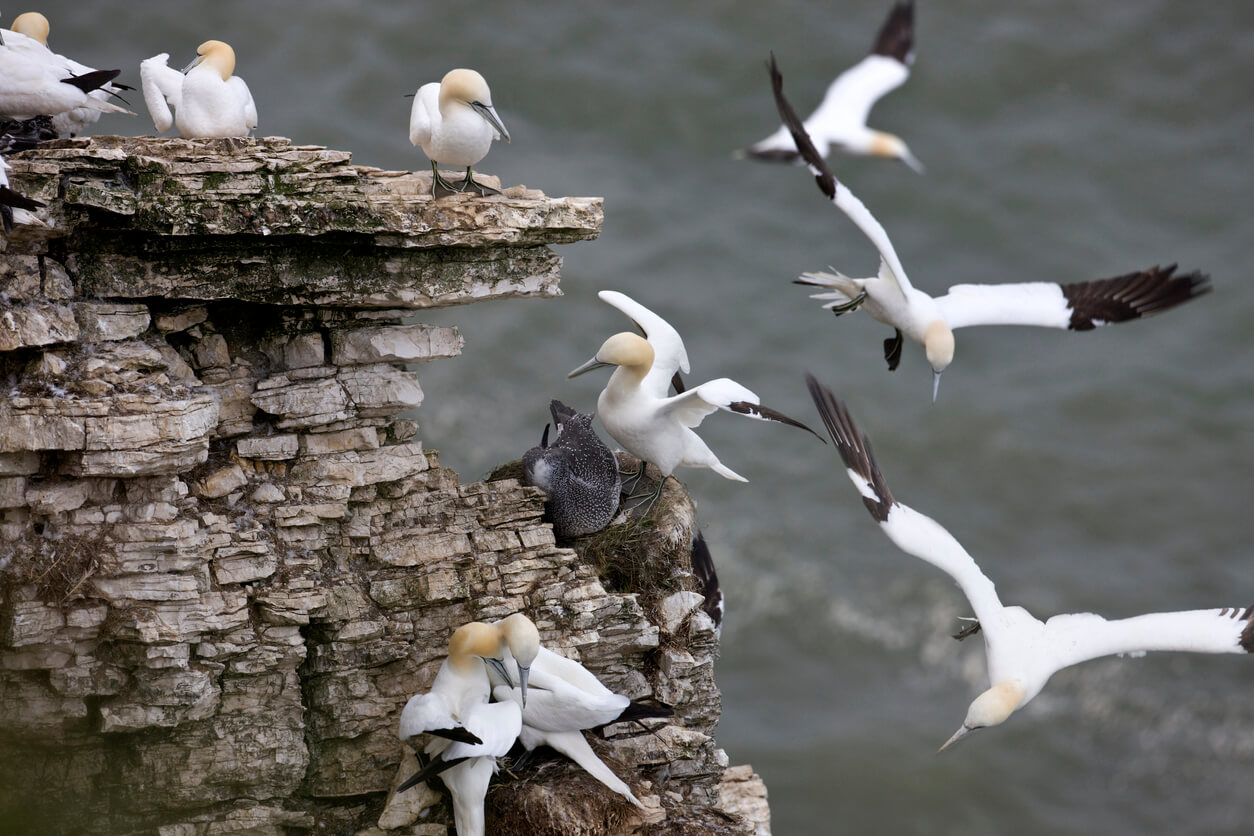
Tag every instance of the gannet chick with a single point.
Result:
(454, 123)
(469, 733)
(840, 120)
(1022, 652)
(207, 98)
(577, 472)
(659, 429)
(34, 26)
(15, 208)
(891, 299)
(564, 698)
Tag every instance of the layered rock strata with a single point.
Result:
(226, 559)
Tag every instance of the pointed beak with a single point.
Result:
(195, 62)
(523, 675)
(594, 363)
(488, 112)
(912, 161)
(498, 665)
(958, 735)
(935, 385)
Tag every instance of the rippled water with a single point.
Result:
(1107, 471)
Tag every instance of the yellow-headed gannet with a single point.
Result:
(1022, 652)
(14, 207)
(563, 699)
(468, 732)
(577, 472)
(891, 299)
(454, 123)
(636, 411)
(208, 99)
(840, 120)
(33, 29)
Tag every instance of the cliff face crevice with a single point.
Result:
(227, 559)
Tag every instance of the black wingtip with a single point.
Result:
(649, 709)
(457, 734)
(90, 81)
(429, 771)
(703, 568)
(896, 36)
(854, 447)
(8, 197)
(805, 146)
(757, 410)
(1131, 296)
(1247, 635)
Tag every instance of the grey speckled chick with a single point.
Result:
(578, 472)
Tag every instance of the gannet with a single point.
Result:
(891, 299)
(564, 698)
(1022, 652)
(454, 123)
(208, 100)
(658, 428)
(469, 733)
(840, 120)
(32, 29)
(34, 81)
(14, 207)
(577, 472)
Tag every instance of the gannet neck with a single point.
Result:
(32, 25)
(218, 55)
(472, 643)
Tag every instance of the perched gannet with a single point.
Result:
(469, 733)
(1022, 652)
(840, 121)
(577, 472)
(34, 81)
(15, 208)
(454, 123)
(34, 29)
(656, 428)
(563, 699)
(208, 100)
(891, 299)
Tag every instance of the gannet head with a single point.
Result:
(989, 709)
(470, 88)
(523, 640)
(215, 54)
(623, 349)
(893, 147)
(938, 343)
(475, 640)
(32, 25)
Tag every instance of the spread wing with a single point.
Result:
(669, 354)
(163, 90)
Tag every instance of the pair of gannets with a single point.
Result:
(1022, 652)
(208, 99)
(635, 407)
(35, 81)
(891, 299)
(577, 472)
(840, 120)
(454, 122)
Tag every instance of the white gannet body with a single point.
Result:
(454, 123)
(30, 34)
(1022, 651)
(34, 81)
(891, 299)
(208, 101)
(840, 120)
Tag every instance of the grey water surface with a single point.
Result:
(1108, 471)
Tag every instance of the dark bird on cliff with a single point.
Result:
(703, 568)
(891, 299)
(1022, 651)
(577, 472)
(454, 122)
(840, 120)
(655, 427)
(564, 698)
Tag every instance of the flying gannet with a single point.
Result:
(207, 98)
(891, 299)
(564, 698)
(840, 120)
(468, 733)
(454, 123)
(577, 472)
(1022, 652)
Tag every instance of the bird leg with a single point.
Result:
(892, 349)
(469, 185)
(634, 480)
(969, 630)
(439, 186)
(850, 306)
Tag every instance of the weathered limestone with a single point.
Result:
(227, 560)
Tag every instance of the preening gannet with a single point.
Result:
(840, 120)
(207, 98)
(1022, 651)
(454, 123)
(891, 299)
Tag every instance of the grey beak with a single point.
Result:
(194, 62)
(958, 735)
(488, 112)
(523, 674)
(935, 385)
(594, 363)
